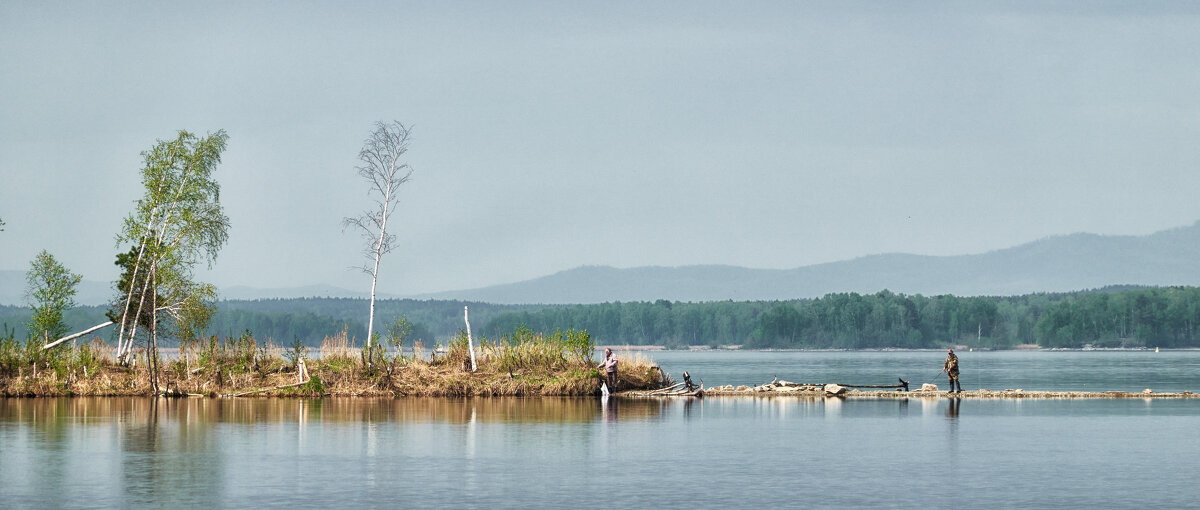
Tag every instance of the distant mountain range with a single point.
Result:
(1056, 264)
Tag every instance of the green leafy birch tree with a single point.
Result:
(177, 223)
(50, 291)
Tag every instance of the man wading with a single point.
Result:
(610, 369)
(950, 367)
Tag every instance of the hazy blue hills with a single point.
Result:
(12, 290)
(1056, 264)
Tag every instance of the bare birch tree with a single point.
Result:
(382, 168)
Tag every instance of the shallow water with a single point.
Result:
(719, 452)
(1166, 371)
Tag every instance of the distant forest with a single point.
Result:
(309, 320)
(1110, 317)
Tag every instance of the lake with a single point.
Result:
(1166, 371)
(717, 452)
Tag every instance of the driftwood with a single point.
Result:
(683, 389)
(902, 386)
(698, 392)
(260, 390)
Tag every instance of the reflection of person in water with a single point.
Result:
(952, 412)
(608, 409)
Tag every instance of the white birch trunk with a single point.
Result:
(371, 314)
(129, 297)
(470, 343)
(76, 335)
(387, 196)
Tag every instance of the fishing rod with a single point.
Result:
(935, 376)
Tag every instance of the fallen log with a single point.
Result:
(669, 388)
(903, 385)
(76, 335)
(260, 390)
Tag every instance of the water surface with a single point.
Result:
(1166, 371)
(718, 452)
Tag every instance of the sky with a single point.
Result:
(552, 135)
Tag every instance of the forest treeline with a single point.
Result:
(1109, 317)
(309, 320)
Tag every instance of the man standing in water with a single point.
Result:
(950, 367)
(610, 369)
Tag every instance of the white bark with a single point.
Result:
(77, 335)
(379, 245)
(129, 299)
(382, 167)
(470, 343)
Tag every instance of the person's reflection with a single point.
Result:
(687, 407)
(903, 412)
(952, 411)
(608, 407)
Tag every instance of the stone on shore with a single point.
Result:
(833, 389)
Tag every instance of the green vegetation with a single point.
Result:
(1113, 317)
(1110, 317)
(177, 223)
(51, 291)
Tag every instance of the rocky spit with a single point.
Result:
(788, 389)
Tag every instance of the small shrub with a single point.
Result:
(298, 352)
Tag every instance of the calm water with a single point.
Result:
(732, 452)
(1166, 371)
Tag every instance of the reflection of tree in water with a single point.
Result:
(166, 442)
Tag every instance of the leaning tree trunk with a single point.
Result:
(129, 300)
(76, 335)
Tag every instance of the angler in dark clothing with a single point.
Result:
(950, 367)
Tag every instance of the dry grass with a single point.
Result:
(524, 364)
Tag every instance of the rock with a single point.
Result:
(929, 387)
(742, 388)
(833, 389)
(1147, 391)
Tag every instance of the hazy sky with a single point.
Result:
(558, 134)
